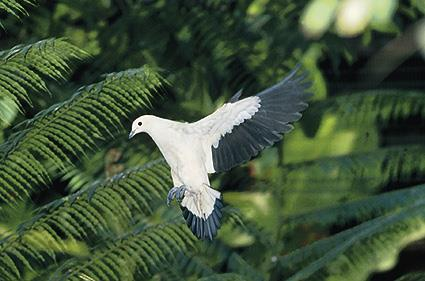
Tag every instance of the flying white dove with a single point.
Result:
(230, 136)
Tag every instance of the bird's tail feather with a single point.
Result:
(202, 212)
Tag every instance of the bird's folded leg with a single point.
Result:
(176, 192)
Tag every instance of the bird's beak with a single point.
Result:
(132, 133)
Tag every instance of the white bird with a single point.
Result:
(230, 136)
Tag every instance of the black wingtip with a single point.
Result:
(201, 228)
(236, 96)
(292, 73)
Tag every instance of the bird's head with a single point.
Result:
(140, 125)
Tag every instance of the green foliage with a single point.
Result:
(59, 133)
(237, 264)
(144, 251)
(360, 210)
(354, 253)
(223, 277)
(338, 199)
(22, 69)
(348, 177)
(111, 203)
(15, 7)
(416, 276)
(188, 266)
(371, 107)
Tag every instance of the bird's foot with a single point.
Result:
(177, 193)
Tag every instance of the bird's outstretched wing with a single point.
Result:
(240, 129)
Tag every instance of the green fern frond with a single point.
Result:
(84, 214)
(239, 265)
(209, 257)
(194, 265)
(361, 210)
(114, 156)
(15, 7)
(67, 130)
(348, 177)
(224, 277)
(415, 276)
(371, 107)
(212, 256)
(22, 68)
(141, 253)
(185, 267)
(355, 253)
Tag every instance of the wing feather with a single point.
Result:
(240, 129)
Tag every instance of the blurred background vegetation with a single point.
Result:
(342, 197)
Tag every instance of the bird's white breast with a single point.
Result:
(184, 154)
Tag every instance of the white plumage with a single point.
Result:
(231, 135)
(212, 128)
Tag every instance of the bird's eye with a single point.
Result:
(140, 123)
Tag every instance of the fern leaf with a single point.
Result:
(15, 7)
(86, 213)
(349, 177)
(130, 153)
(238, 265)
(355, 253)
(190, 265)
(370, 107)
(415, 276)
(54, 136)
(143, 252)
(223, 277)
(214, 256)
(23, 67)
(361, 210)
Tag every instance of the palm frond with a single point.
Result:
(84, 214)
(67, 130)
(141, 253)
(23, 67)
(355, 253)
